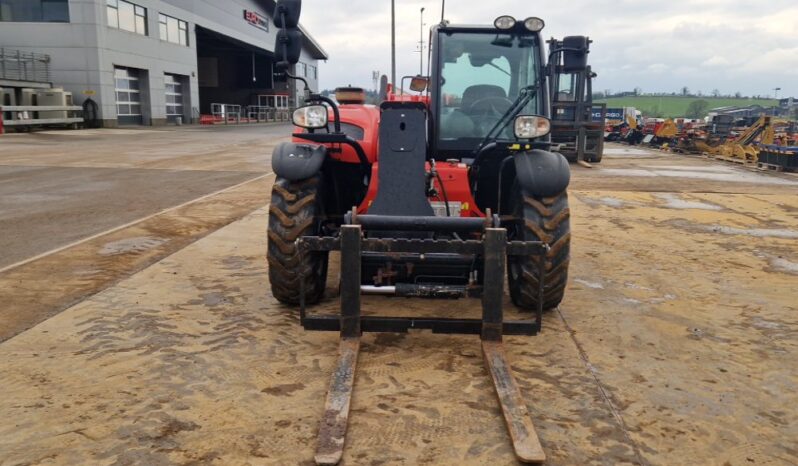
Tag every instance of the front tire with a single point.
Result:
(295, 210)
(544, 219)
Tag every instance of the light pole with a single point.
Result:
(776, 90)
(421, 45)
(393, 42)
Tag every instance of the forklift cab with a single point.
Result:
(478, 75)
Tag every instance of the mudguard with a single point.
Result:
(541, 173)
(296, 162)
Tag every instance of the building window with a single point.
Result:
(314, 72)
(127, 16)
(34, 11)
(173, 30)
(128, 94)
(174, 96)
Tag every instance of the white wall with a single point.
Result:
(85, 51)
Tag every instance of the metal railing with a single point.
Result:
(227, 112)
(265, 113)
(16, 65)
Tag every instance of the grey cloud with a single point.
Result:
(731, 45)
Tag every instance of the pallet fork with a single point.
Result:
(494, 248)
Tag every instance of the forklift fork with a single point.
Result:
(491, 327)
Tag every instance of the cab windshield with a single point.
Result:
(482, 74)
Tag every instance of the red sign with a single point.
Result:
(256, 19)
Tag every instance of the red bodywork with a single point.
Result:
(367, 117)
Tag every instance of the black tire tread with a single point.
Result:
(294, 211)
(547, 220)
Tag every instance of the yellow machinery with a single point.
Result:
(631, 121)
(744, 147)
(667, 130)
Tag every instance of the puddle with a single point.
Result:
(626, 151)
(757, 232)
(594, 285)
(783, 265)
(731, 176)
(759, 322)
(691, 168)
(725, 230)
(131, 245)
(605, 201)
(628, 172)
(635, 286)
(673, 201)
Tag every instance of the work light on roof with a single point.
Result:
(534, 24)
(504, 22)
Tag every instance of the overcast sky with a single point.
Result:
(730, 45)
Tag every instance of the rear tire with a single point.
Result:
(540, 219)
(295, 211)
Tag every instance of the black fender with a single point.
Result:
(541, 173)
(296, 162)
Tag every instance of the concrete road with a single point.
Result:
(60, 188)
(675, 343)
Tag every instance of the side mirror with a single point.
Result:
(290, 10)
(288, 44)
(419, 83)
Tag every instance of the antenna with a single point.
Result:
(443, 8)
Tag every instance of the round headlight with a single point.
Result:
(310, 116)
(534, 24)
(530, 126)
(504, 22)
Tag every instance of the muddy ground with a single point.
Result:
(675, 343)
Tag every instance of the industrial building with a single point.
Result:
(149, 62)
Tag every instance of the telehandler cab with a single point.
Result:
(431, 195)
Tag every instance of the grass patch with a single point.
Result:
(676, 106)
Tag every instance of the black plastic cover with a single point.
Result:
(296, 162)
(541, 173)
(575, 60)
(403, 152)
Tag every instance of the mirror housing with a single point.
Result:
(290, 9)
(288, 44)
(419, 83)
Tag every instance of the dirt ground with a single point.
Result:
(676, 343)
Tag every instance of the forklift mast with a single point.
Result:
(577, 123)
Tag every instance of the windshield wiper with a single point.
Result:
(526, 94)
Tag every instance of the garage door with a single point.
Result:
(128, 96)
(174, 96)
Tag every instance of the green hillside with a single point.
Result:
(676, 106)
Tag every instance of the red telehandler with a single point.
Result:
(437, 195)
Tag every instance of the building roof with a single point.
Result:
(316, 51)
